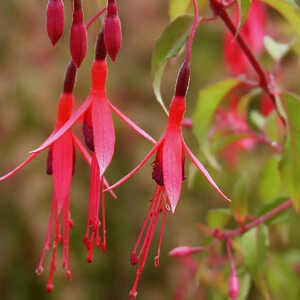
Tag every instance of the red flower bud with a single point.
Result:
(55, 20)
(112, 30)
(184, 251)
(78, 37)
(183, 80)
(233, 285)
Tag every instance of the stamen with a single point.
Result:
(103, 245)
(163, 223)
(66, 239)
(47, 242)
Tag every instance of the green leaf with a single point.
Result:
(208, 101)
(254, 247)
(244, 6)
(218, 217)
(239, 205)
(167, 46)
(270, 181)
(245, 284)
(178, 8)
(290, 165)
(277, 50)
(271, 128)
(288, 11)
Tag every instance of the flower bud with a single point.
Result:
(183, 80)
(233, 285)
(112, 30)
(184, 251)
(70, 78)
(55, 20)
(78, 37)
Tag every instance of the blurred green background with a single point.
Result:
(31, 79)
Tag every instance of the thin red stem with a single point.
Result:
(193, 31)
(218, 234)
(95, 17)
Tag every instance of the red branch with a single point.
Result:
(225, 235)
(219, 9)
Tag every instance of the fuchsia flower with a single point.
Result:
(112, 30)
(266, 105)
(99, 134)
(168, 173)
(60, 164)
(55, 20)
(230, 122)
(253, 32)
(78, 35)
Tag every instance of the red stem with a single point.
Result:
(218, 234)
(95, 17)
(193, 31)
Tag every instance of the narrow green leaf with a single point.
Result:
(275, 49)
(245, 284)
(288, 11)
(271, 128)
(290, 165)
(218, 217)
(270, 181)
(167, 46)
(208, 101)
(244, 6)
(239, 207)
(178, 8)
(254, 246)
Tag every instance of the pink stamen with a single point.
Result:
(103, 245)
(66, 239)
(156, 259)
(47, 242)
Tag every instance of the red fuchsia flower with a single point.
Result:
(55, 20)
(60, 164)
(78, 36)
(228, 121)
(168, 173)
(112, 30)
(99, 134)
(253, 32)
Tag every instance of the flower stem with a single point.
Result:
(193, 31)
(95, 17)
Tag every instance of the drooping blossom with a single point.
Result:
(78, 35)
(112, 30)
(55, 20)
(227, 119)
(168, 173)
(99, 134)
(253, 32)
(60, 164)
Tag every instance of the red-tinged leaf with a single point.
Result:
(88, 159)
(172, 165)
(204, 172)
(19, 167)
(104, 133)
(140, 165)
(73, 119)
(62, 165)
(132, 125)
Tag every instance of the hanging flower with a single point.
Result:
(168, 173)
(99, 134)
(60, 164)
(253, 32)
